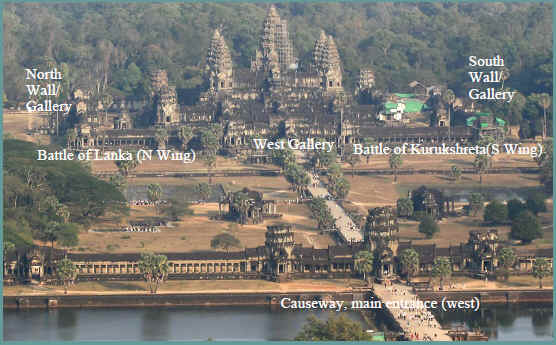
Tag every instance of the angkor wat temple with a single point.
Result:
(277, 93)
(280, 258)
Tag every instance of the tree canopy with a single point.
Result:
(225, 241)
(154, 269)
(52, 200)
(428, 227)
(495, 213)
(117, 45)
(335, 328)
(525, 227)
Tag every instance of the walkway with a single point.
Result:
(347, 229)
(418, 324)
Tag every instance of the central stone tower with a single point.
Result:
(275, 52)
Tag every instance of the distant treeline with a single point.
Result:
(113, 46)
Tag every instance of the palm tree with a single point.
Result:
(66, 271)
(368, 142)
(161, 137)
(544, 101)
(481, 164)
(441, 268)
(154, 269)
(456, 173)
(210, 162)
(125, 166)
(154, 192)
(71, 137)
(410, 262)
(504, 75)
(449, 98)
(405, 207)
(185, 134)
(396, 162)
(541, 269)
(506, 260)
(364, 261)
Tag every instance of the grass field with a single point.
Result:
(272, 187)
(374, 191)
(156, 165)
(443, 161)
(195, 232)
(16, 125)
(183, 286)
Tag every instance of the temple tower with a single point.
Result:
(166, 105)
(326, 60)
(279, 247)
(366, 79)
(159, 79)
(165, 100)
(381, 230)
(275, 52)
(219, 64)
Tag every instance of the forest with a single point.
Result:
(116, 45)
(51, 200)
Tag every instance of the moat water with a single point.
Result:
(524, 322)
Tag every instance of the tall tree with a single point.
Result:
(66, 271)
(544, 100)
(395, 162)
(185, 134)
(526, 227)
(405, 207)
(481, 164)
(476, 203)
(351, 158)
(441, 268)
(154, 193)
(455, 172)
(154, 269)
(428, 227)
(204, 190)
(410, 262)
(449, 97)
(161, 136)
(506, 260)
(126, 166)
(495, 213)
(364, 263)
(210, 163)
(541, 269)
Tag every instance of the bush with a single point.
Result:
(536, 203)
(515, 207)
(419, 215)
(526, 227)
(495, 213)
(125, 237)
(428, 226)
(111, 247)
